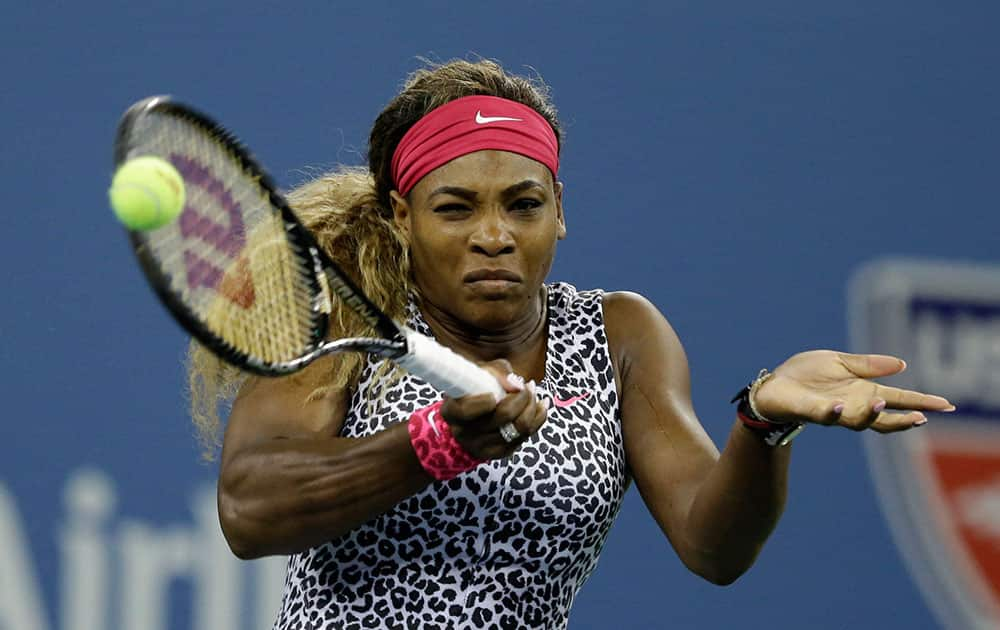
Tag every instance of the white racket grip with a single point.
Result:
(451, 373)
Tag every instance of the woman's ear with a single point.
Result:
(400, 212)
(560, 217)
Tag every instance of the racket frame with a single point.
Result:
(325, 276)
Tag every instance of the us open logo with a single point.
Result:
(940, 485)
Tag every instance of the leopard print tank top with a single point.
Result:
(506, 545)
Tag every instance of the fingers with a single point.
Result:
(475, 421)
(524, 418)
(895, 422)
(468, 409)
(906, 399)
(522, 410)
(471, 408)
(875, 417)
(504, 373)
(873, 413)
(872, 365)
(859, 415)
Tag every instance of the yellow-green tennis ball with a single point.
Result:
(146, 193)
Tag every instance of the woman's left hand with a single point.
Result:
(828, 387)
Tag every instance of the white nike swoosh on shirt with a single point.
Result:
(482, 120)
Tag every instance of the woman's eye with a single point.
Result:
(449, 208)
(526, 205)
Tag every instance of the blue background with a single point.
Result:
(733, 161)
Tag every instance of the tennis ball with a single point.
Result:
(146, 193)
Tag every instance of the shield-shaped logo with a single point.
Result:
(940, 485)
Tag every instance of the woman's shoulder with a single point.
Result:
(637, 331)
(628, 305)
(632, 313)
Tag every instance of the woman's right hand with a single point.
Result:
(475, 421)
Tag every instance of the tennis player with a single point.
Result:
(403, 510)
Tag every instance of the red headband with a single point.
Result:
(468, 124)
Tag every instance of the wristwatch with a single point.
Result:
(773, 433)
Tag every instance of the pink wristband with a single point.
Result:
(437, 449)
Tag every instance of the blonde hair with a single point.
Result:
(349, 212)
(339, 208)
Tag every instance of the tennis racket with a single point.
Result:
(243, 276)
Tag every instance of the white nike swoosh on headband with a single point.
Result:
(482, 120)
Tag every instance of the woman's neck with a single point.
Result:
(522, 343)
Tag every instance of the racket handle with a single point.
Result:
(451, 373)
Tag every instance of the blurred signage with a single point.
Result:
(115, 571)
(939, 485)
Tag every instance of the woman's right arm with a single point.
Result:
(288, 482)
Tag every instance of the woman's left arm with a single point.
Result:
(717, 510)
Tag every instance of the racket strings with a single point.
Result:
(227, 256)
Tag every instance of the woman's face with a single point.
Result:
(482, 231)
